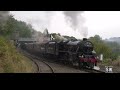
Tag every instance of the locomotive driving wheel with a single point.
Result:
(81, 64)
(91, 65)
(71, 61)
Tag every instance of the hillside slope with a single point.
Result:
(11, 61)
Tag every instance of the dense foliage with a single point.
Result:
(110, 50)
(9, 25)
(11, 61)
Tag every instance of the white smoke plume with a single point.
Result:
(72, 19)
(76, 21)
(4, 15)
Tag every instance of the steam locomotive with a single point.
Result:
(80, 53)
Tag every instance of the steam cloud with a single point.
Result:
(71, 20)
(76, 21)
(4, 16)
(72, 16)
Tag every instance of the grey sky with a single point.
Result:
(104, 23)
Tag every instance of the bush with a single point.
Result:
(116, 63)
(101, 47)
(11, 61)
(107, 62)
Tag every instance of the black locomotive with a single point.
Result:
(74, 52)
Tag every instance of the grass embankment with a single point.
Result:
(11, 61)
(115, 65)
(111, 63)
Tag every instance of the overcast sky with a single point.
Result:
(104, 23)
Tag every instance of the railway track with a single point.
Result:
(40, 63)
(41, 59)
(93, 70)
(38, 68)
(83, 69)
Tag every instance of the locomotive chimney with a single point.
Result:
(84, 39)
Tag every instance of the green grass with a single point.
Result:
(116, 62)
(111, 62)
(11, 61)
(106, 62)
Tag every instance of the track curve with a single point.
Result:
(39, 63)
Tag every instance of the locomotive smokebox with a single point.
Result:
(84, 39)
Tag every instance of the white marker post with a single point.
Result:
(101, 57)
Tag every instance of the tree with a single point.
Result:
(101, 47)
(97, 37)
(8, 25)
(115, 49)
(4, 15)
